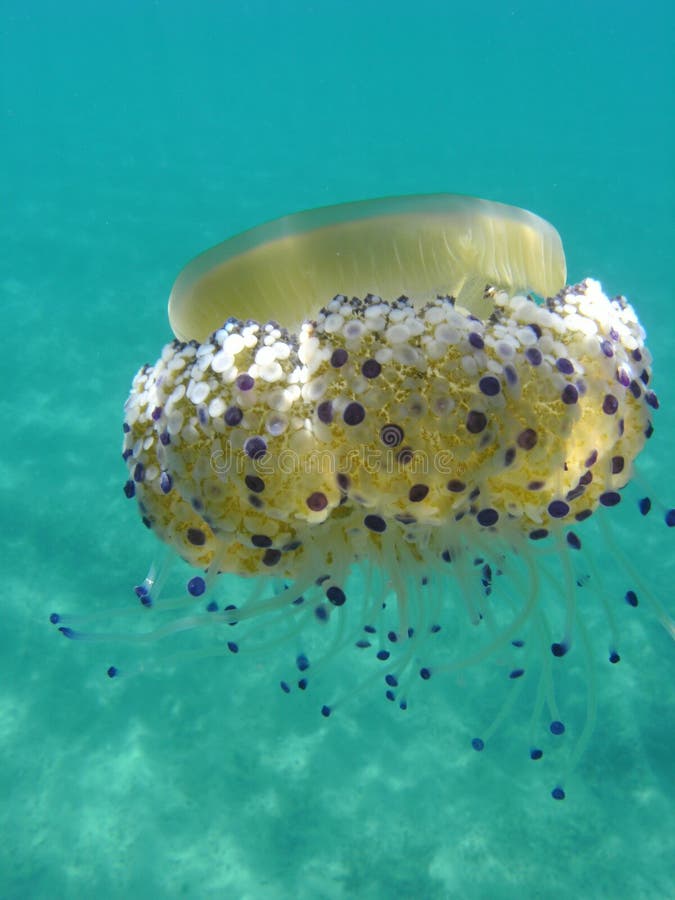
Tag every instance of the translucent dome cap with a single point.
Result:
(422, 246)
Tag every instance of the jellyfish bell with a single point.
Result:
(420, 246)
(367, 420)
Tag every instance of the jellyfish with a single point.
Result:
(390, 421)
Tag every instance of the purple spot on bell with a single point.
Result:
(489, 385)
(254, 483)
(196, 537)
(233, 416)
(375, 523)
(511, 375)
(244, 382)
(196, 586)
(592, 459)
(487, 517)
(651, 400)
(335, 595)
(573, 540)
(527, 439)
(610, 404)
(417, 493)
(558, 509)
(255, 447)
(317, 501)
(476, 421)
(570, 395)
(354, 414)
(324, 412)
(617, 464)
(644, 505)
(371, 368)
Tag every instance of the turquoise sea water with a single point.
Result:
(133, 137)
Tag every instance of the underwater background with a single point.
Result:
(135, 135)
